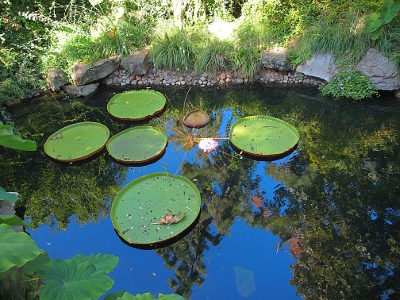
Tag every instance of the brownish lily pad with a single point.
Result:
(196, 119)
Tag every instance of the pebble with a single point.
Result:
(172, 78)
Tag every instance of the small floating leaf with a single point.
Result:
(196, 119)
(171, 218)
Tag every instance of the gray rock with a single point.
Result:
(277, 59)
(319, 66)
(397, 94)
(136, 63)
(56, 79)
(380, 70)
(84, 73)
(80, 90)
(7, 208)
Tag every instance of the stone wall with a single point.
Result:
(135, 69)
(155, 76)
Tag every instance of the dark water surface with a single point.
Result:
(321, 223)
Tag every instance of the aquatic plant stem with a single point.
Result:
(184, 101)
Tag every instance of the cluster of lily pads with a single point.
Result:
(159, 207)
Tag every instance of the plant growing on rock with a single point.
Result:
(350, 85)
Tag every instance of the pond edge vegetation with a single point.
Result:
(54, 35)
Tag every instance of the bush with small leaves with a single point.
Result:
(350, 85)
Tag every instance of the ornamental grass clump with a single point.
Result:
(350, 85)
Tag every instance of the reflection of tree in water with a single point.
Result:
(223, 199)
(340, 194)
(52, 192)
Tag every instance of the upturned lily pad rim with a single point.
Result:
(77, 141)
(136, 105)
(138, 206)
(154, 146)
(263, 137)
(205, 119)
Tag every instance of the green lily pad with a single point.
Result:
(196, 119)
(137, 145)
(263, 136)
(136, 105)
(139, 208)
(77, 141)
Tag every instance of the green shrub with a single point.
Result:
(213, 56)
(174, 50)
(246, 56)
(10, 90)
(350, 85)
(344, 37)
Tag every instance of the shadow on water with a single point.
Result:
(321, 222)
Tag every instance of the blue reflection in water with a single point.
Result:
(139, 271)
(248, 263)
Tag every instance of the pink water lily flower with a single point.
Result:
(208, 144)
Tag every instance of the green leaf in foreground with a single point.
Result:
(9, 140)
(72, 280)
(122, 295)
(16, 248)
(103, 262)
(10, 197)
(13, 220)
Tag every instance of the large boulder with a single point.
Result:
(319, 66)
(84, 73)
(137, 63)
(56, 79)
(380, 70)
(277, 59)
(80, 90)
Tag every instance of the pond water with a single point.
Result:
(320, 223)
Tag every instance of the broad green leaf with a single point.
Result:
(376, 34)
(114, 296)
(145, 296)
(8, 139)
(70, 280)
(13, 220)
(29, 268)
(8, 129)
(170, 297)
(105, 263)
(37, 264)
(7, 196)
(389, 11)
(374, 23)
(16, 248)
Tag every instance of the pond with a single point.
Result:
(322, 222)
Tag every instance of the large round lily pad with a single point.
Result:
(263, 136)
(155, 208)
(196, 119)
(136, 105)
(137, 145)
(77, 141)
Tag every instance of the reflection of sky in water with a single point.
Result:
(140, 271)
(250, 263)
